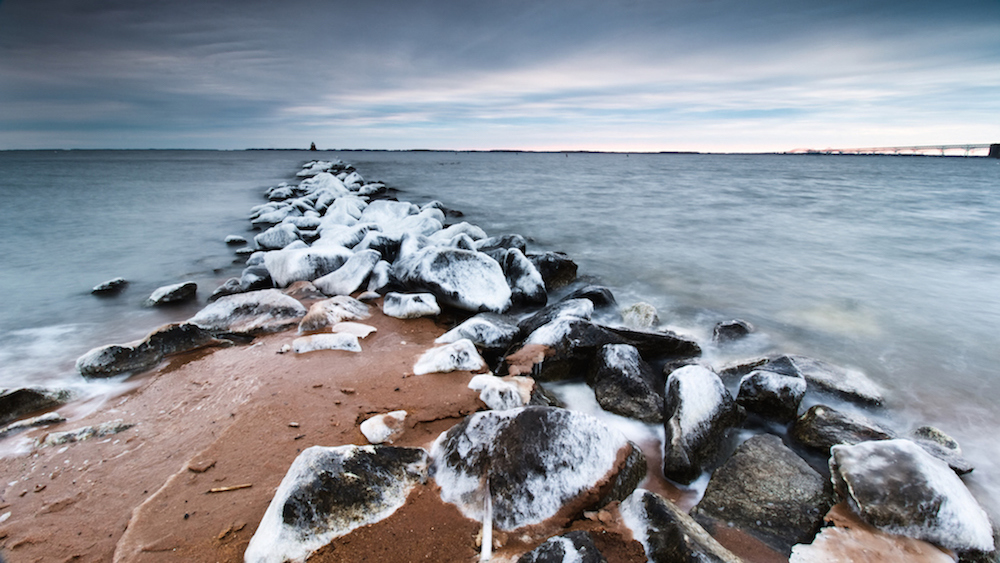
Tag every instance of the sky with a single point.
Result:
(628, 75)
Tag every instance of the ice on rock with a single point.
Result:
(502, 393)
(338, 341)
(379, 278)
(385, 213)
(331, 234)
(354, 180)
(332, 311)
(325, 181)
(461, 278)
(304, 264)
(424, 223)
(174, 293)
(357, 329)
(384, 428)
(266, 310)
(457, 356)
(278, 236)
(345, 211)
(489, 330)
(349, 277)
(464, 228)
(410, 305)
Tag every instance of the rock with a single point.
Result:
(444, 235)
(657, 345)
(85, 433)
(110, 287)
(380, 278)
(339, 341)
(254, 312)
(526, 285)
(503, 242)
(772, 395)
(571, 547)
(277, 237)
(565, 309)
(229, 287)
(489, 331)
(899, 488)
(255, 278)
(668, 534)
(640, 316)
(538, 464)
(727, 331)
(849, 384)
(116, 359)
(564, 348)
(600, 296)
(235, 239)
(943, 447)
(556, 268)
(767, 491)
(698, 413)
(328, 312)
(328, 492)
(457, 356)
(463, 279)
(410, 305)
(20, 402)
(502, 393)
(384, 428)
(175, 293)
(822, 427)
(304, 264)
(386, 213)
(386, 245)
(33, 422)
(349, 277)
(303, 290)
(357, 329)
(626, 385)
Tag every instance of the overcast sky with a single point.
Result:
(707, 75)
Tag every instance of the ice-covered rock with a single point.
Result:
(22, 401)
(384, 428)
(502, 393)
(304, 264)
(349, 277)
(277, 237)
(85, 433)
(461, 278)
(343, 210)
(254, 278)
(386, 213)
(303, 223)
(357, 329)
(767, 491)
(353, 180)
(380, 277)
(943, 447)
(110, 287)
(848, 383)
(229, 287)
(46, 419)
(526, 285)
(566, 309)
(535, 463)
(503, 242)
(659, 344)
(174, 293)
(571, 547)
(235, 239)
(267, 310)
(822, 427)
(600, 296)
(698, 413)
(410, 305)
(445, 235)
(457, 356)
(345, 236)
(462, 241)
(272, 217)
(668, 534)
(387, 246)
(556, 268)
(564, 348)
(772, 395)
(338, 341)
(727, 331)
(640, 316)
(489, 331)
(324, 181)
(425, 223)
(329, 492)
(626, 385)
(115, 359)
(328, 312)
(898, 487)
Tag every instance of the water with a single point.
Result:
(890, 265)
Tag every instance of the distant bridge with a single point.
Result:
(927, 150)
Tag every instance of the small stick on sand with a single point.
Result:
(227, 489)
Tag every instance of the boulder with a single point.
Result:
(387, 246)
(272, 217)
(229, 287)
(943, 447)
(626, 385)
(668, 534)
(170, 294)
(20, 402)
(328, 312)
(304, 264)
(460, 278)
(386, 213)
(410, 305)
(380, 277)
(303, 290)
(116, 359)
(899, 488)
(556, 268)
(46, 419)
(727, 331)
(640, 316)
(357, 329)
(349, 277)
(337, 235)
(537, 464)
(384, 428)
(571, 547)
(698, 413)
(849, 384)
(503, 242)
(338, 341)
(565, 309)
(444, 235)
(822, 427)
(564, 348)
(254, 312)
(600, 296)
(488, 331)
(255, 278)
(457, 356)
(328, 492)
(235, 240)
(772, 395)
(277, 237)
(768, 491)
(110, 287)
(526, 285)
(502, 393)
(657, 345)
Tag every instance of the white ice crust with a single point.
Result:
(383, 428)
(502, 393)
(457, 356)
(337, 341)
(357, 329)
(302, 264)
(410, 305)
(480, 330)
(267, 309)
(702, 394)
(349, 277)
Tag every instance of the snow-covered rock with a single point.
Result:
(353, 180)
(386, 213)
(349, 277)
(567, 309)
(526, 285)
(626, 385)
(228, 287)
(410, 305)
(342, 210)
(899, 488)
(267, 310)
(329, 492)
(327, 312)
(115, 359)
(727, 331)
(668, 534)
(255, 277)
(21, 401)
(174, 293)
(486, 330)
(502, 393)
(556, 268)
(848, 383)
(338, 341)
(772, 395)
(277, 237)
(304, 264)
(698, 413)
(326, 182)
(457, 356)
(380, 277)
(571, 547)
(461, 278)
(444, 235)
(110, 287)
(384, 428)
(535, 463)
(343, 235)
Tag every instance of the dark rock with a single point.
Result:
(490, 332)
(567, 349)
(502, 243)
(822, 427)
(110, 287)
(526, 285)
(46, 419)
(277, 237)
(575, 547)
(600, 296)
(170, 294)
(255, 278)
(254, 312)
(542, 397)
(556, 268)
(235, 239)
(943, 447)
(328, 492)
(767, 491)
(668, 534)
(698, 413)
(20, 402)
(539, 463)
(899, 488)
(572, 308)
(658, 345)
(728, 331)
(460, 278)
(626, 385)
(116, 359)
(849, 384)
(772, 395)
(229, 287)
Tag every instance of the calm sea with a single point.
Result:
(887, 264)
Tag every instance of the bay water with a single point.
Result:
(886, 264)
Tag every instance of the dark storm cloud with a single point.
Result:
(482, 74)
